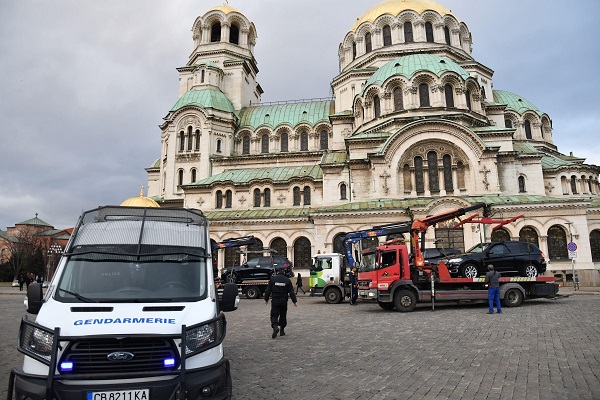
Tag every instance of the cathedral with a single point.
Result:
(414, 127)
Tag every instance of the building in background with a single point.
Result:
(415, 127)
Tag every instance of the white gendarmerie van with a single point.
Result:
(131, 313)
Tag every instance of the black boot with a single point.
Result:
(282, 332)
(275, 332)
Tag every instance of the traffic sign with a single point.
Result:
(572, 246)
(572, 255)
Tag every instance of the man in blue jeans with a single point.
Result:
(491, 278)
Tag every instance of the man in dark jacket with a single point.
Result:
(491, 278)
(279, 288)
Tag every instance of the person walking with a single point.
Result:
(353, 286)
(299, 284)
(21, 282)
(279, 288)
(491, 278)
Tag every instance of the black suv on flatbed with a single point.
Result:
(508, 257)
(259, 268)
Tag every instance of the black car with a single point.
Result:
(433, 255)
(508, 257)
(259, 268)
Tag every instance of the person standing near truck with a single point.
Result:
(491, 278)
(279, 288)
(353, 286)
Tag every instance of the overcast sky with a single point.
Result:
(84, 84)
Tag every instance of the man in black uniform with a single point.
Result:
(279, 288)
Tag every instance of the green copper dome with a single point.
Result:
(205, 98)
(514, 102)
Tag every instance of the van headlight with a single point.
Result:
(36, 341)
(204, 336)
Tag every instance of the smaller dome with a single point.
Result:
(139, 201)
(395, 7)
(205, 98)
(514, 102)
(225, 9)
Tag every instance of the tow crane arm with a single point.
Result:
(235, 242)
(376, 231)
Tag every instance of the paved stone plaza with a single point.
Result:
(546, 349)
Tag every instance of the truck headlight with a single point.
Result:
(205, 336)
(36, 341)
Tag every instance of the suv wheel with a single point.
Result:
(231, 278)
(469, 271)
(530, 271)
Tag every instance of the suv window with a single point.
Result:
(498, 249)
(517, 247)
(430, 253)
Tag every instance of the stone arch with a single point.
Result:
(432, 16)
(408, 16)
(450, 22)
(238, 19)
(302, 249)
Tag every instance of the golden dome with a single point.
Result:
(225, 8)
(395, 7)
(140, 201)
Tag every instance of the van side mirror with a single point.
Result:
(230, 298)
(34, 298)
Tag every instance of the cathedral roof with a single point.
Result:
(291, 114)
(205, 98)
(275, 174)
(514, 102)
(34, 222)
(408, 66)
(395, 7)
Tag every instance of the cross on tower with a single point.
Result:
(385, 177)
(485, 171)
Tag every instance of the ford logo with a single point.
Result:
(120, 356)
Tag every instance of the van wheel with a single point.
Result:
(252, 292)
(405, 300)
(530, 271)
(333, 296)
(231, 278)
(469, 271)
(386, 306)
(513, 298)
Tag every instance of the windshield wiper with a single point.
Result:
(78, 296)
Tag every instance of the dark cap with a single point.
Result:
(490, 267)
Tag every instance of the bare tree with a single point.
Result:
(23, 248)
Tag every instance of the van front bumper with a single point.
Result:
(212, 382)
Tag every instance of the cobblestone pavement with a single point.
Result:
(546, 349)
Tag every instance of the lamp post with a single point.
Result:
(572, 259)
(54, 249)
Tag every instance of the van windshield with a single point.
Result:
(94, 277)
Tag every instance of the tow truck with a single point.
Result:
(396, 283)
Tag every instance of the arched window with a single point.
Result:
(387, 36)
(419, 181)
(528, 129)
(528, 234)
(432, 169)
(424, 95)
(219, 199)
(324, 140)
(228, 199)
(377, 106)
(181, 141)
(302, 253)
(368, 43)
(407, 178)
(595, 244)
(574, 184)
(483, 93)
(280, 246)
(408, 32)
(398, 99)
(234, 34)
(343, 195)
(338, 243)
(307, 195)
(189, 138)
(256, 197)
(447, 164)
(284, 142)
(353, 51)
(468, 95)
(447, 35)
(180, 177)
(267, 197)
(460, 175)
(557, 243)
(508, 123)
(428, 32)
(193, 175)
(197, 139)
(246, 144)
(500, 235)
(215, 32)
(521, 184)
(296, 195)
(218, 145)
(449, 93)
(257, 246)
(303, 141)
(202, 76)
(264, 144)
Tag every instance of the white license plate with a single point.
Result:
(139, 394)
(364, 293)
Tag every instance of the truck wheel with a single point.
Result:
(231, 278)
(252, 292)
(386, 306)
(469, 271)
(405, 300)
(513, 298)
(333, 296)
(530, 271)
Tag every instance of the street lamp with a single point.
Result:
(54, 249)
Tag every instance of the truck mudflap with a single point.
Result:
(212, 382)
(543, 290)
